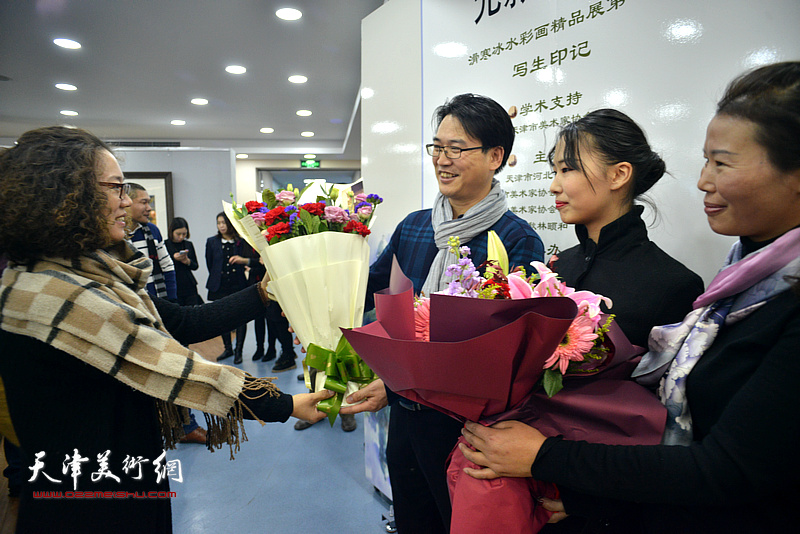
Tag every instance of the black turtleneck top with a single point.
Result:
(647, 286)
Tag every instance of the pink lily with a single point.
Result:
(518, 287)
(549, 285)
(589, 303)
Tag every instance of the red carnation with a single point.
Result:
(501, 289)
(314, 208)
(253, 206)
(273, 215)
(355, 227)
(278, 230)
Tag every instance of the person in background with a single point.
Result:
(182, 253)
(226, 261)
(473, 140)
(146, 237)
(603, 164)
(94, 379)
(181, 250)
(728, 373)
(256, 276)
(162, 281)
(273, 326)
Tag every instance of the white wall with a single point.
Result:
(665, 63)
(392, 126)
(247, 173)
(201, 179)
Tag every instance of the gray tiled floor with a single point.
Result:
(282, 481)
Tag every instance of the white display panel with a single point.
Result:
(665, 63)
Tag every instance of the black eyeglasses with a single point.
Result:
(450, 152)
(124, 189)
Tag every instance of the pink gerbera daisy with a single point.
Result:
(422, 319)
(578, 341)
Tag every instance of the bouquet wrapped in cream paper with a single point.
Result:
(317, 257)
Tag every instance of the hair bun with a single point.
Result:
(652, 170)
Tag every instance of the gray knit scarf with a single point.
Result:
(477, 219)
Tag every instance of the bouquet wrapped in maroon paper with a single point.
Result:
(483, 359)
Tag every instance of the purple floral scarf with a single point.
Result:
(741, 287)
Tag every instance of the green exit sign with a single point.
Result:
(309, 163)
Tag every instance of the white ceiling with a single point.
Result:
(143, 61)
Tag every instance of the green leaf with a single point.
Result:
(268, 198)
(308, 220)
(552, 382)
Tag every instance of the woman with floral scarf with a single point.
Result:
(94, 385)
(728, 373)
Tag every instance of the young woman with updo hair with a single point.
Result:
(603, 164)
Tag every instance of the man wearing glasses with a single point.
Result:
(147, 239)
(473, 141)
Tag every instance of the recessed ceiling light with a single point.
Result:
(310, 156)
(298, 78)
(66, 87)
(69, 113)
(199, 101)
(367, 93)
(178, 122)
(267, 130)
(242, 156)
(303, 113)
(235, 69)
(287, 13)
(307, 134)
(67, 43)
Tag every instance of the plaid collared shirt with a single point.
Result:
(414, 246)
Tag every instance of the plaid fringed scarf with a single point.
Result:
(96, 309)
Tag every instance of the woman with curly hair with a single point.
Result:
(95, 384)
